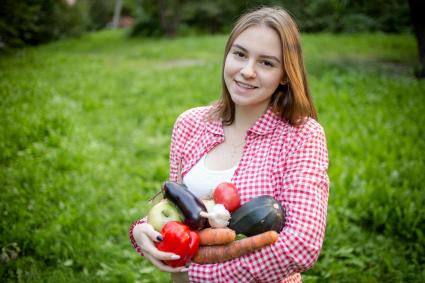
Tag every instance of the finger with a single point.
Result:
(163, 267)
(140, 230)
(150, 248)
(152, 234)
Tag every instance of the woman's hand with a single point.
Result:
(146, 236)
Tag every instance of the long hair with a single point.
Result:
(291, 101)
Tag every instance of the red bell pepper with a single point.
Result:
(178, 239)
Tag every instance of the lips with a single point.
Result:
(245, 85)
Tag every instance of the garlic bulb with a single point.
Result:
(209, 203)
(218, 216)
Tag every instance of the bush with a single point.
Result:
(147, 26)
(358, 23)
(34, 22)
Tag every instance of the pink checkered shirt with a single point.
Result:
(286, 162)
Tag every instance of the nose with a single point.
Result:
(248, 70)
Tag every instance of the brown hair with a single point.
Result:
(291, 101)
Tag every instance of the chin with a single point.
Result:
(239, 101)
(245, 101)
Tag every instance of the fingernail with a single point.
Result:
(175, 257)
(184, 270)
(159, 238)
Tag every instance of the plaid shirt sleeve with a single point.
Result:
(304, 195)
(131, 236)
(176, 148)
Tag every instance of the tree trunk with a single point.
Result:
(417, 8)
(169, 16)
(117, 14)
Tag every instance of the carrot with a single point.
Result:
(216, 254)
(216, 236)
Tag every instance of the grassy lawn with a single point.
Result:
(84, 133)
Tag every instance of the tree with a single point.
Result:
(117, 13)
(169, 15)
(416, 12)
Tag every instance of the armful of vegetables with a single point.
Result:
(259, 219)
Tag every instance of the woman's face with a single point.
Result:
(253, 67)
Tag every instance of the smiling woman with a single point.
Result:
(263, 137)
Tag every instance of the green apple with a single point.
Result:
(163, 212)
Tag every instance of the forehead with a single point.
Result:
(260, 40)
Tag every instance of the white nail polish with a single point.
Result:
(175, 257)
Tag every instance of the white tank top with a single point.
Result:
(202, 181)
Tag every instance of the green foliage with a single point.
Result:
(311, 15)
(34, 22)
(85, 127)
(147, 26)
(350, 15)
(159, 18)
(100, 12)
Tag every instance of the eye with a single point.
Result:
(239, 54)
(267, 63)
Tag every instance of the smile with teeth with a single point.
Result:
(244, 85)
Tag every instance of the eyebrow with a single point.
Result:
(262, 56)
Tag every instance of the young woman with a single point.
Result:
(263, 136)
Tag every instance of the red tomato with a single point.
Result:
(227, 195)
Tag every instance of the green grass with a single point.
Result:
(85, 127)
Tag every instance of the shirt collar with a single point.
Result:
(264, 125)
(215, 126)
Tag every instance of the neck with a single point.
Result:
(245, 117)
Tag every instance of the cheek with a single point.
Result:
(230, 66)
(227, 74)
(273, 80)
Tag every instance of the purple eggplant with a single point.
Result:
(188, 203)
